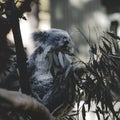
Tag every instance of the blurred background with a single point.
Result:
(88, 17)
(83, 19)
(91, 17)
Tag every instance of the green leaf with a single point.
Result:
(97, 113)
(47, 49)
(89, 102)
(68, 58)
(50, 59)
(91, 55)
(76, 76)
(60, 56)
(83, 112)
(99, 110)
(113, 35)
(107, 117)
(68, 71)
(107, 39)
(116, 46)
(102, 50)
(107, 47)
(94, 49)
(56, 59)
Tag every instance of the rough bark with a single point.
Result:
(16, 100)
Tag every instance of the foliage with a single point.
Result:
(99, 80)
(21, 6)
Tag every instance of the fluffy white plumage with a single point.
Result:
(47, 66)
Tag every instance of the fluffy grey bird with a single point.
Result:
(49, 71)
(49, 74)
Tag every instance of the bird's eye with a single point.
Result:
(57, 39)
(64, 37)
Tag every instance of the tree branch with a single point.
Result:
(12, 16)
(19, 101)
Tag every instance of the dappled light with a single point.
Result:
(78, 4)
(59, 59)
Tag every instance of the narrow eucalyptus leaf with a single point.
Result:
(98, 116)
(83, 113)
(116, 46)
(68, 58)
(55, 57)
(107, 117)
(107, 39)
(47, 49)
(113, 35)
(107, 47)
(91, 55)
(94, 49)
(50, 59)
(89, 104)
(102, 50)
(60, 56)
(67, 71)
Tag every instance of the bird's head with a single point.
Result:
(56, 38)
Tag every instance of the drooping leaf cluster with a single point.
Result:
(20, 5)
(99, 81)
